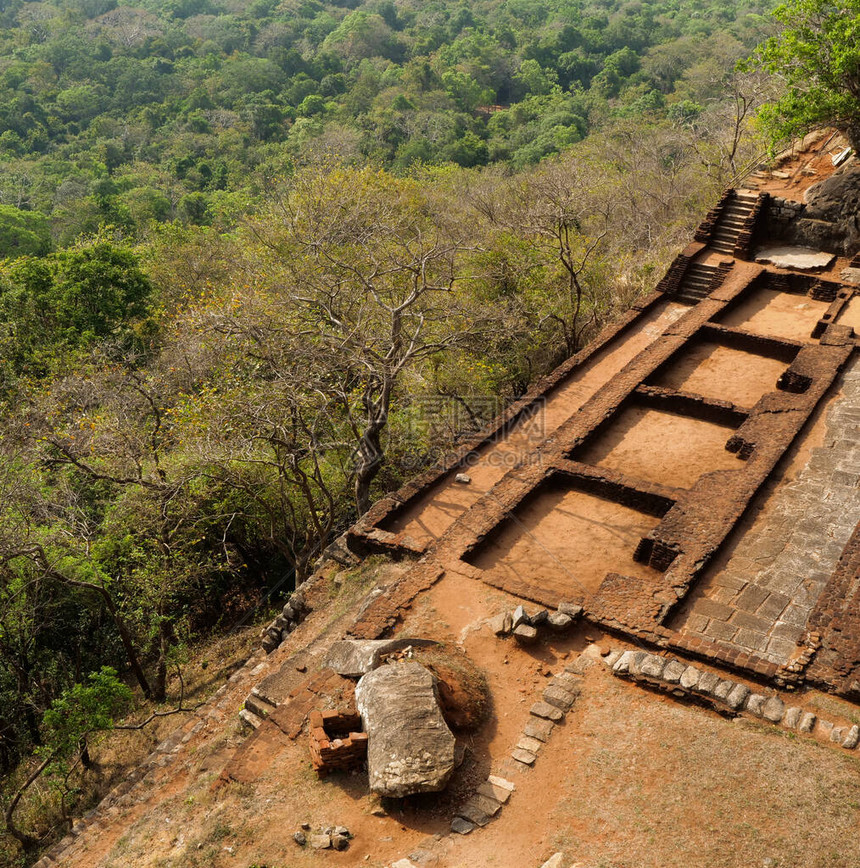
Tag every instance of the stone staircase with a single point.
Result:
(696, 283)
(731, 222)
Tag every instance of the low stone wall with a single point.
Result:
(673, 676)
(705, 229)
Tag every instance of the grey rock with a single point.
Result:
(852, 738)
(792, 717)
(835, 201)
(580, 665)
(773, 709)
(568, 681)
(300, 838)
(559, 622)
(622, 665)
(339, 842)
(722, 690)
(342, 830)
(297, 602)
(520, 616)
(554, 861)
(497, 781)
(353, 658)
(490, 791)
(320, 842)
(690, 678)
(571, 609)
(755, 704)
(546, 711)
(807, 722)
(487, 804)
(528, 743)
(636, 661)
(288, 613)
(501, 624)
(673, 671)
(410, 748)
(539, 617)
(539, 728)
(612, 658)
(652, 666)
(737, 696)
(523, 756)
(708, 682)
(525, 634)
(837, 734)
(461, 825)
(471, 812)
(559, 697)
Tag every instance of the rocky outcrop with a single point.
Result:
(831, 219)
(410, 748)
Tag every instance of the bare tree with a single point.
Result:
(368, 279)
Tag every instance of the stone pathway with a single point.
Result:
(762, 600)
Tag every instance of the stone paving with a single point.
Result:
(762, 600)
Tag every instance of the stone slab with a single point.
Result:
(547, 711)
(797, 258)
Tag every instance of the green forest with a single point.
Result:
(128, 114)
(262, 263)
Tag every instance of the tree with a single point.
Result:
(23, 233)
(368, 278)
(563, 209)
(817, 54)
(69, 722)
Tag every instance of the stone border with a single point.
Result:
(683, 681)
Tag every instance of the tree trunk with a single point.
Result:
(368, 464)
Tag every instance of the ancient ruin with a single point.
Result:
(690, 478)
(686, 488)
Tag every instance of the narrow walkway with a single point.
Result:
(762, 598)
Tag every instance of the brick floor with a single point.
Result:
(762, 599)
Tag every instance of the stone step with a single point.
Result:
(258, 704)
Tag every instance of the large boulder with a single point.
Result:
(410, 748)
(831, 219)
(352, 658)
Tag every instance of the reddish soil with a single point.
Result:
(567, 541)
(430, 516)
(728, 374)
(810, 163)
(776, 314)
(661, 447)
(850, 315)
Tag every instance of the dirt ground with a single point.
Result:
(776, 314)
(631, 779)
(661, 447)
(567, 541)
(725, 373)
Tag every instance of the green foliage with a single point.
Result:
(817, 53)
(156, 108)
(66, 301)
(85, 708)
(23, 233)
